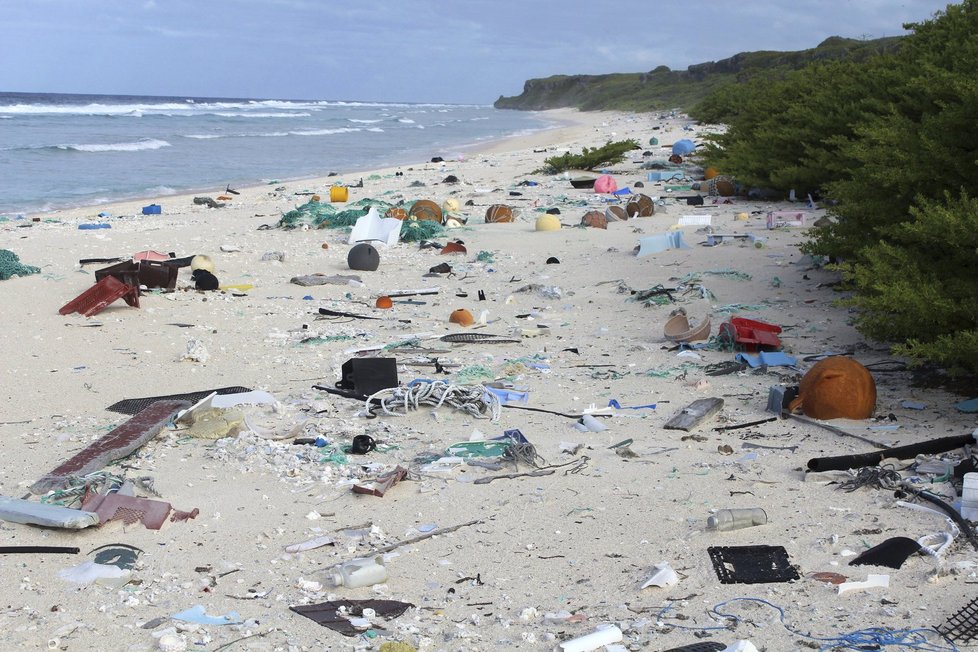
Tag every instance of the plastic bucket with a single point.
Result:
(339, 193)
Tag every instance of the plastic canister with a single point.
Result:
(355, 573)
(734, 519)
(969, 497)
(339, 193)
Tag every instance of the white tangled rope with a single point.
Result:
(472, 399)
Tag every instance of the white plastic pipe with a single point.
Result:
(592, 641)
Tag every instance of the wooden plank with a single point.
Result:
(694, 414)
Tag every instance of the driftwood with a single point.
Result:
(694, 414)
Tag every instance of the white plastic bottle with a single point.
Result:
(735, 519)
(355, 573)
(969, 497)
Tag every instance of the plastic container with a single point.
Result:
(339, 194)
(355, 573)
(969, 497)
(735, 519)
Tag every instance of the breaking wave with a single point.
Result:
(137, 146)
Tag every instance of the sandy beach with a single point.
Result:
(531, 560)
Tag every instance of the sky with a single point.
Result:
(451, 51)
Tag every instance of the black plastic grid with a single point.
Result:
(752, 564)
(136, 405)
(962, 627)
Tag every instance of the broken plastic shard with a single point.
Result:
(872, 582)
(89, 572)
(17, 510)
(662, 576)
(588, 423)
(311, 544)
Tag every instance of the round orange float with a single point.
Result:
(462, 317)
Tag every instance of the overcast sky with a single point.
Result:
(456, 51)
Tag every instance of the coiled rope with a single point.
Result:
(471, 399)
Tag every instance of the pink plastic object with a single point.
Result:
(750, 334)
(149, 254)
(605, 183)
(128, 509)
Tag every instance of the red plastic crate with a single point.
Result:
(750, 334)
(93, 300)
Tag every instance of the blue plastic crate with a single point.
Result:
(152, 209)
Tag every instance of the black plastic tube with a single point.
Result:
(8, 550)
(932, 447)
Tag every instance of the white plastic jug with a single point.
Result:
(355, 573)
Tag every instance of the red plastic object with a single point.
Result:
(113, 445)
(750, 334)
(93, 300)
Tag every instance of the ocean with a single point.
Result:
(60, 151)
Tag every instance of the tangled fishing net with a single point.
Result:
(10, 266)
(322, 215)
(418, 230)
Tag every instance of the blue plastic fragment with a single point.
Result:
(196, 614)
(508, 395)
(970, 405)
(767, 359)
(515, 435)
(92, 227)
(613, 403)
(913, 405)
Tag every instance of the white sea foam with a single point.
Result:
(263, 108)
(248, 114)
(325, 132)
(136, 146)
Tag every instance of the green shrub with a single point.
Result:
(589, 158)
(918, 287)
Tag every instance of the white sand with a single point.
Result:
(579, 542)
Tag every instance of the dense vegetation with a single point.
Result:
(892, 141)
(590, 157)
(663, 88)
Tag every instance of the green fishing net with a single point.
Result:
(418, 230)
(10, 265)
(323, 215)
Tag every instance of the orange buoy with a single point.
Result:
(384, 302)
(498, 213)
(425, 209)
(837, 387)
(462, 317)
